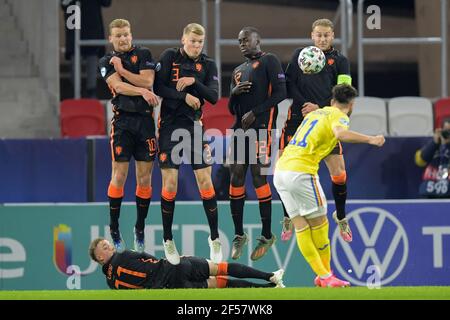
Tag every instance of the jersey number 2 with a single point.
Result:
(303, 142)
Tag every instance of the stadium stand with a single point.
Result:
(410, 116)
(82, 117)
(441, 111)
(369, 116)
(29, 78)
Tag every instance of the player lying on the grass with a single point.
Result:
(298, 185)
(134, 270)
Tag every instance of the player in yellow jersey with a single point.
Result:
(298, 185)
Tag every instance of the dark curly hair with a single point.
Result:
(344, 93)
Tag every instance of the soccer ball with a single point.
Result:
(311, 60)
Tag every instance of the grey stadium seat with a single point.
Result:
(410, 116)
(369, 116)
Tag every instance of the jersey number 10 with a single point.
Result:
(302, 143)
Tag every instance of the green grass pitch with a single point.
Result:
(355, 293)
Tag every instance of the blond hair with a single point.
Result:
(119, 23)
(194, 28)
(95, 243)
(323, 23)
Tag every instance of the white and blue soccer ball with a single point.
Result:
(311, 60)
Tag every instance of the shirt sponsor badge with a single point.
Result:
(344, 121)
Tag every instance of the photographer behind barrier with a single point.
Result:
(435, 156)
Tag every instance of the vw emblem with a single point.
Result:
(378, 239)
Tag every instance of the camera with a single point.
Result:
(445, 133)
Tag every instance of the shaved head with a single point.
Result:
(249, 41)
(252, 30)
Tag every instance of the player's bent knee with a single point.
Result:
(143, 180)
(259, 181)
(204, 181)
(237, 170)
(170, 185)
(119, 178)
(237, 181)
(335, 163)
(299, 222)
(317, 221)
(340, 178)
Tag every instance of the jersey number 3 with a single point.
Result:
(302, 143)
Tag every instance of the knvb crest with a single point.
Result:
(378, 239)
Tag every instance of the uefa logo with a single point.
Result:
(379, 239)
(62, 251)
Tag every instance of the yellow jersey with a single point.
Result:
(313, 141)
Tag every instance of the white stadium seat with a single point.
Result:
(369, 116)
(410, 116)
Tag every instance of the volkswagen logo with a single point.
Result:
(378, 239)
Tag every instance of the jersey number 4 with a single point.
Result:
(302, 143)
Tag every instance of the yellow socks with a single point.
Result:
(322, 243)
(310, 252)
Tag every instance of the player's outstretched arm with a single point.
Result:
(349, 136)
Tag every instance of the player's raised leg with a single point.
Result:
(336, 166)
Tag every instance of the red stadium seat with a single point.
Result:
(217, 116)
(82, 117)
(441, 111)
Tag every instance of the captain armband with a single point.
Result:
(344, 78)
